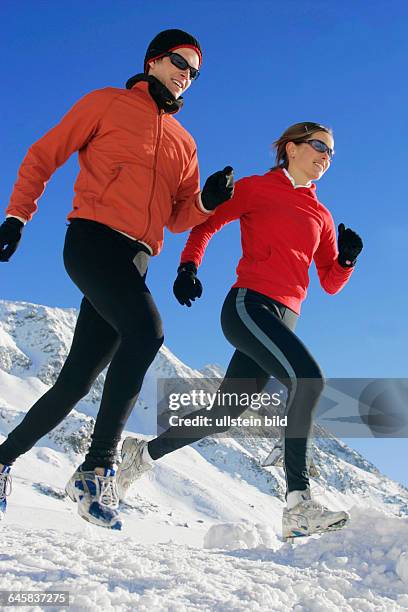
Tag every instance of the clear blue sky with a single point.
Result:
(266, 65)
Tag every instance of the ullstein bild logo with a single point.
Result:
(347, 407)
(227, 421)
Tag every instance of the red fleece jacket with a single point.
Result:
(283, 229)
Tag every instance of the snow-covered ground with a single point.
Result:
(202, 531)
(183, 548)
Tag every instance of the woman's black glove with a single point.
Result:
(350, 246)
(10, 236)
(218, 188)
(187, 286)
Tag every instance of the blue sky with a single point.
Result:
(266, 65)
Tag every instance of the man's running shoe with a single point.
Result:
(308, 517)
(134, 464)
(5, 489)
(96, 496)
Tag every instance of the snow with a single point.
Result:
(106, 570)
(231, 536)
(202, 531)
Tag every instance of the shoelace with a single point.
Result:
(5, 485)
(109, 494)
(314, 504)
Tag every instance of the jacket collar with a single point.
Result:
(292, 180)
(285, 177)
(161, 95)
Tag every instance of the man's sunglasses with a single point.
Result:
(318, 145)
(180, 62)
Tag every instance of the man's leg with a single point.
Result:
(101, 263)
(93, 345)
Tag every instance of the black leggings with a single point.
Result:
(118, 323)
(261, 330)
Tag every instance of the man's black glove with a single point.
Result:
(10, 235)
(218, 188)
(187, 286)
(350, 246)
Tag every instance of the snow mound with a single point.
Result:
(232, 536)
(401, 567)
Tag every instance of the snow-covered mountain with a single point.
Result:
(34, 341)
(212, 495)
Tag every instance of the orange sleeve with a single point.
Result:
(46, 155)
(187, 209)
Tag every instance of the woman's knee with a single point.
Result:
(314, 379)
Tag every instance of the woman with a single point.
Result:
(283, 228)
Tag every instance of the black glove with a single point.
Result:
(10, 235)
(350, 246)
(218, 188)
(187, 286)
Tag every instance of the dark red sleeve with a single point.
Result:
(201, 234)
(332, 275)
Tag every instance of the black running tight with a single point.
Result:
(262, 331)
(118, 324)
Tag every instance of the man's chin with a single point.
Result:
(176, 92)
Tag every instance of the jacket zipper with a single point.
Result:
(156, 152)
(114, 177)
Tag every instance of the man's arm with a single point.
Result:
(46, 155)
(188, 209)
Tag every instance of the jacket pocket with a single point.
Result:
(112, 179)
(264, 267)
(258, 266)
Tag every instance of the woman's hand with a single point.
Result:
(350, 246)
(187, 287)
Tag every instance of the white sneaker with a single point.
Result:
(5, 489)
(133, 464)
(96, 497)
(275, 459)
(308, 517)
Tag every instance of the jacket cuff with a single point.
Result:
(24, 221)
(187, 266)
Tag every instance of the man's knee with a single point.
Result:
(146, 342)
(74, 385)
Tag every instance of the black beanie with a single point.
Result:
(169, 40)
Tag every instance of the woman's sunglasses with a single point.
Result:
(318, 145)
(180, 62)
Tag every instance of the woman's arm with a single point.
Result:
(332, 275)
(201, 234)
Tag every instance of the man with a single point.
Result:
(138, 174)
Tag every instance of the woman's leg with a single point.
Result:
(262, 330)
(93, 345)
(256, 329)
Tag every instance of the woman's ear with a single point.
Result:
(290, 150)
